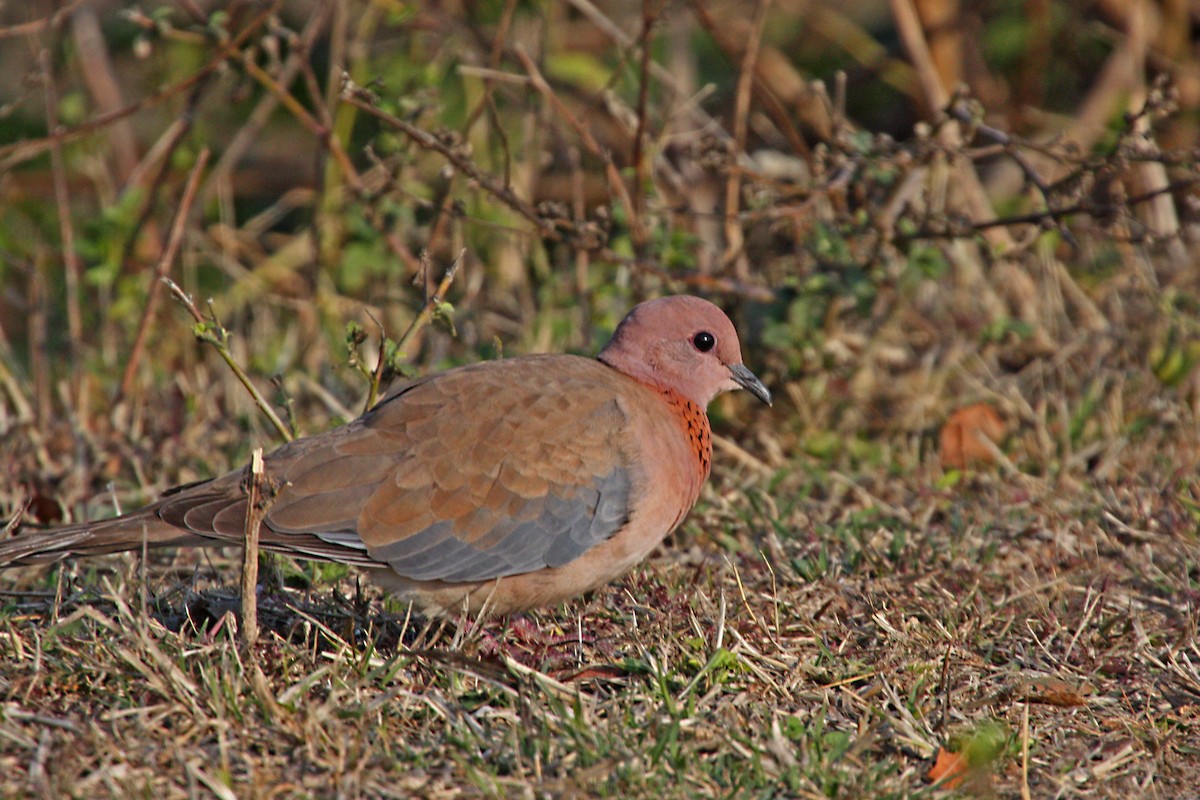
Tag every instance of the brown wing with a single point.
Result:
(472, 474)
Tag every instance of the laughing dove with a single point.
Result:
(508, 484)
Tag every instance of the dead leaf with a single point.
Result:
(966, 433)
(1056, 693)
(949, 769)
(597, 672)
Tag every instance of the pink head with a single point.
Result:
(685, 344)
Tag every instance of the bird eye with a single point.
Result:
(704, 341)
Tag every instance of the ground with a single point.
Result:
(804, 634)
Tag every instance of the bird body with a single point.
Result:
(503, 485)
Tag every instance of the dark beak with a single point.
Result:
(750, 382)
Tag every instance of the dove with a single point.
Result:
(501, 486)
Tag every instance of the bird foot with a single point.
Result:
(542, 647)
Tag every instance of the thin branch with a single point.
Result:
(323, 132)
(615, 181)
(248, 132)
(638, 159)
(1088, 208)
(174, 240)
(19, 152)
(583, 257)
(908, 23)
(104, 88)
(34, 27)
(211, 331)
(660, 73)
(734, 252)
(259, 493)
(363, 100)
(959, 110)
(488, 101)
(432, 303)
(780, 115)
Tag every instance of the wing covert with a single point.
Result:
(474, 474)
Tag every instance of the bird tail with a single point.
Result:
(141, 528)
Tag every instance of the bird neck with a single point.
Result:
(691, 415)
(642, 368)
(694, 421)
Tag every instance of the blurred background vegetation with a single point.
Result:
(952, 234)
(907, 206)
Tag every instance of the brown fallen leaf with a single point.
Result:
(966, 433)
(949, 769)
(597, 672)
(1056, 693)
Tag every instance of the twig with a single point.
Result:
(1086, 207)
(583, 256)
(16, 396)
(19, 152)
(36, 26)
(908, 23)
(491, 75)
(1025, 793)
(104, 88)
(660, 73)
(734, 251)
(443, 202)
(615, 181)
(13, 711)
(212, 332)
(151, 173)
(258, 498)
(323, 133)
(693, 280)
(178, 226)
(38, 336)
(959, 109)
(363, 100)
(248, 132)
(638, 159)
(423, 316)
(379, 220)
(488, 101)
(779, 114)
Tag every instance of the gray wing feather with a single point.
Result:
(566, 528)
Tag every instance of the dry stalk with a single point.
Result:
(638, 159)
(735, 254)
(615, 182)
(212, 332)
(19, 152)
(780, 114)
(363, 100)
(38, 26)
(258, 498)
(322, 132)
(174, 241)
(432, 303)
(244, 139)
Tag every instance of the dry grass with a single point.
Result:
(823, 638)
(839, 608)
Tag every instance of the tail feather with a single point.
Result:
(205, 514)
(130, 532)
